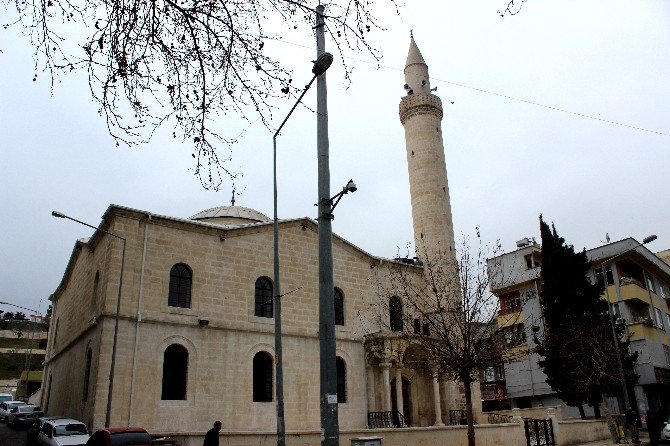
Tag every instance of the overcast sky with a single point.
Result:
(508, 159)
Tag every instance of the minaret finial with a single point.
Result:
(232, 200)
(411, 33)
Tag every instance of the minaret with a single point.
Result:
(421, 114)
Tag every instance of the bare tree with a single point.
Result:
(513, 8)
(450, 311)
(185, 63)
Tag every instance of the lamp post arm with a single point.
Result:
(97, 228)
(294, 106)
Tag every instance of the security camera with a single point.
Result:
(202, 321)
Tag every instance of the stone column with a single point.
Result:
(437, 400)
(386, 386)
(370, 387)
(398, 388)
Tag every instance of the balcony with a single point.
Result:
(632, 291)
(510, 318)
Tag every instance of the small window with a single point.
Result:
(666, 350)
(180, 286)
(426, 329)
(96, 282)
(341, 380)
(395, 313)
(417, 326)
(263, 297)
(338, 299)
(87, 372)
(262, 379)
(175, 373)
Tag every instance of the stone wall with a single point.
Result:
(486, 435)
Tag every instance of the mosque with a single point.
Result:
(196, 326)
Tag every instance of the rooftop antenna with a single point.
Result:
(607, 237)
(232, 200)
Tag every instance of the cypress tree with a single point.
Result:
(579, 357)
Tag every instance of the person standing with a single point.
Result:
(212, 435)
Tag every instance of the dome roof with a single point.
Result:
(230, 215)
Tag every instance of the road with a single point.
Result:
(12, 437)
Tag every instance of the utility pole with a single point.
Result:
(328, 379)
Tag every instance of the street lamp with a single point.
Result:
(118, 307)
(322, 63)
(648, 239)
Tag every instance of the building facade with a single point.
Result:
(637, 289)
(196, 328)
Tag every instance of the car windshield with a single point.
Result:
(29, 409)
(65, 430)
(5, 398)
(130, 439)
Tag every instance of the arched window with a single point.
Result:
(339, 307)
(262, 377)
(263, 297)
(175, 373)
(395, 310)
(341, 380)
(180, 286)
(87, 372)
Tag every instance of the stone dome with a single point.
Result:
(230, 216)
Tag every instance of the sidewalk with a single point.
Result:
(644, 438)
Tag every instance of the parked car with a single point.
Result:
(34, 430)
(120, 436)
(665, 433)
(6, 407)
(23, 416)
(63, 432)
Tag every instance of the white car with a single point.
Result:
(63, 432)
(24, 415)
(665, 433)
(6, 407)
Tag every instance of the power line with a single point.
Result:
(502, 95)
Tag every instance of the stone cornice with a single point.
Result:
(422, 104)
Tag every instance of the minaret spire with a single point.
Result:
(421, 115)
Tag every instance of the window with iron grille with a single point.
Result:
(263, 297)
(175, 373)
(180, 286)
(262, 379)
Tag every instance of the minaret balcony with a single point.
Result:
(419, 104)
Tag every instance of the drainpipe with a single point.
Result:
(138, 320)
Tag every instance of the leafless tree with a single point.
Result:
(451, 312)
(513, 8)
(184, 63)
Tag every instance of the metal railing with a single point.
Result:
(382, 420)
(539, 432)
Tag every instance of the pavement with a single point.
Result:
(644, 438)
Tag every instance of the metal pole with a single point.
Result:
(279, 369)
(279, 386)
(626, 402)
(328, 383)
(116, 333)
